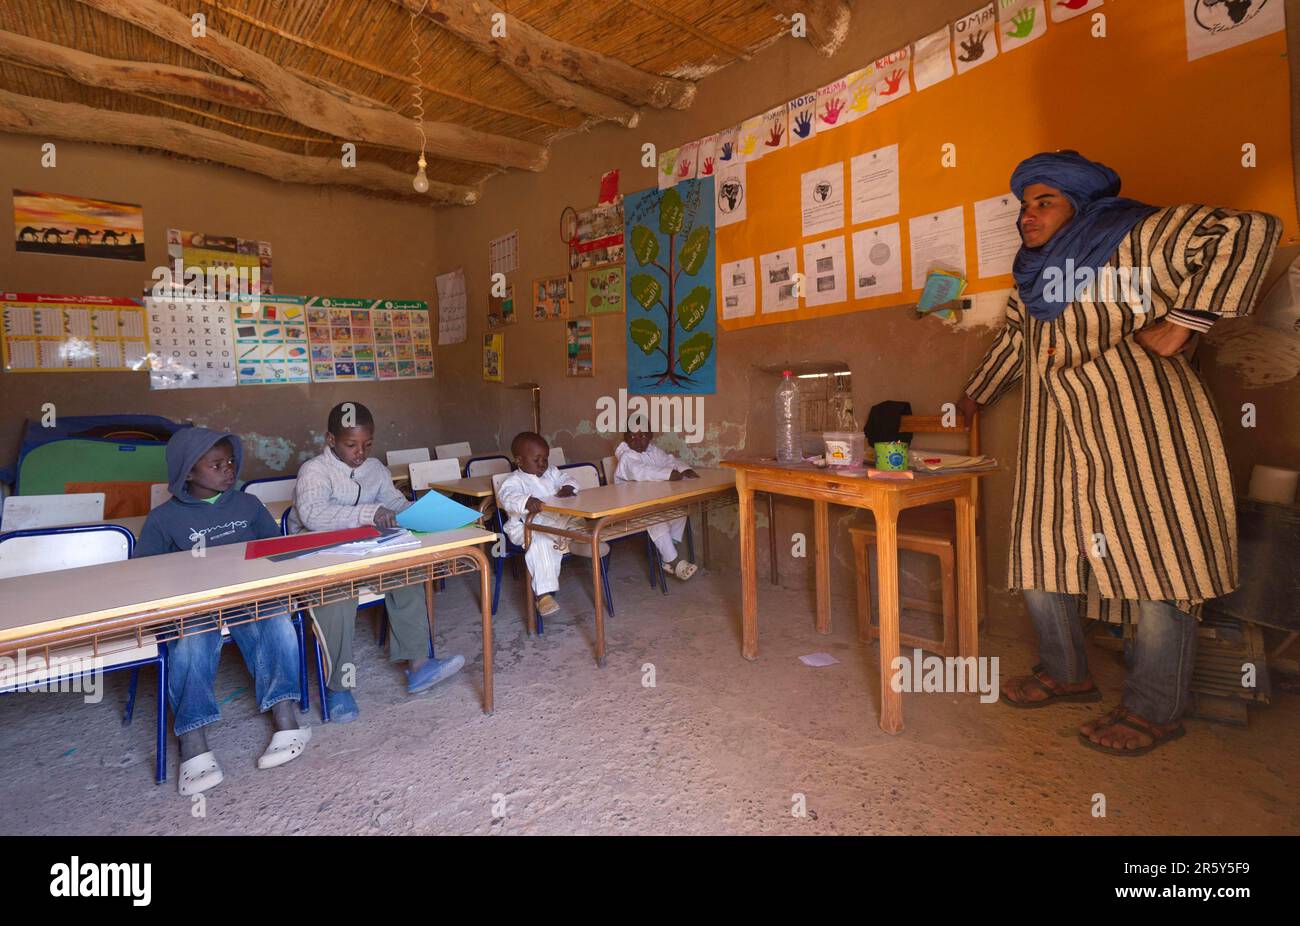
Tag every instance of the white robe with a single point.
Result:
(542, 557)
(654, 465)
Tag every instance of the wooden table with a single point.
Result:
(884, 499)
(618, 510)
(136, 524)
(473, 487)
(113, 606)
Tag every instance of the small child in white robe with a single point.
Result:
(639, 460)
(520, 494)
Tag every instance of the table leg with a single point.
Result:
(822, 552)
(597, 596)
(485, 606)
(704, 533)
(748, 571)
(775, 572)
(428, 603)
(967, 583)
(891, 701)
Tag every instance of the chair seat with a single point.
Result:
(82, 659)
(368, 597)
(929, 523)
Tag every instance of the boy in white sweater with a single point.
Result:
(519, 496)
(345, 487)
(639, 460)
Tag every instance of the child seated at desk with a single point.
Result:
(519, 496)
(345, 487)
(205, 508)
(639, 460)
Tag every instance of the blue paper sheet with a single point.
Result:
(436, 512)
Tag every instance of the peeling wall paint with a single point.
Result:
(988, 312)
(275, 452)
(1261, 355)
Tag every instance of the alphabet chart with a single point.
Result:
(191, 344)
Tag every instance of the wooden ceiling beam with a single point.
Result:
(26, 115)
(314, 107)
(827, 21)
(526, 51)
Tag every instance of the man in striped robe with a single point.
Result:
(1122, 488)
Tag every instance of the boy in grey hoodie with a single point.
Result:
(205, 508)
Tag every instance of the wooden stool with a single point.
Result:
(932, 530)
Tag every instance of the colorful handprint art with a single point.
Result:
(831, 103)
(1021, 22)
(668, 168)
(802, 114)
(973, 42)
(1068, 9)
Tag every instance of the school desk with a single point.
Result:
(112, 606)
(627, 508)
(472, 487)
(136, 524)
(884, 499)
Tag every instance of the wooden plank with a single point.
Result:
(891, 701)
(822, 545)
(52, 601)
(748, 569)
(473, 487)
(967, 580)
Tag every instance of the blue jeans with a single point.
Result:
(270, 650)
(1159, 662)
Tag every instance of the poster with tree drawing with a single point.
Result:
(671, 305)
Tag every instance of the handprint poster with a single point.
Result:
(932, 58)
(1068, 9)
(859, 92)
(725, 148)
(671, 288)
(831, 102)
(668, 168)
(708, 156)
(775, 129)
(1020, 22)
(751, 140)
(802, 116)
(686, 161)
(972, 39)
(891, 80)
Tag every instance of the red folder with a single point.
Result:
(255, 549)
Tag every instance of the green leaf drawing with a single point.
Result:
(645, 244)
(672, 212)
(645, 334)
(645, 289)
(695, 250)
(694, 351)
(692, 309)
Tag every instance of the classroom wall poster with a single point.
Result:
(932, 58)
(452, 307)
(501, 309)
(403, 336)
(605, 291)
(503, 253)
(494, 357)
(580, 347)
(552, 298)
(248, 258)
(341, 339)
(1020, 22)
(730, 204)
(802, 118)
(973, 43)
(672, 314)
(75, 226)
(271, 343)
(1216, 26)
(892, 80)
(1063, 10)
(190, 343)
(44, 333)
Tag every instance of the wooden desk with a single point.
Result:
(113, 605)
(136, 524)
(618, 510)
(473, 487)
(884, 499)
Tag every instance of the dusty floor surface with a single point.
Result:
(718, 745)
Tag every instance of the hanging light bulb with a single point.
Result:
(421, 181)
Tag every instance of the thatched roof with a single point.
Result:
(278, 86)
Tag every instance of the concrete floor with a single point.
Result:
(719, 745)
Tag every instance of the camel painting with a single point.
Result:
(75, 226)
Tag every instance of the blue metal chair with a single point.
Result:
(83, 553)
(512, 550)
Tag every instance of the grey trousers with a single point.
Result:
(408, 632)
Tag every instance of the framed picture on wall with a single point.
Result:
(580, 347)
(501, 309)
(552, 298)
(494, 358)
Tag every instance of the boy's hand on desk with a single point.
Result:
(385, 518)
(532, 506)
(566, 492)
(690, 474)
(676, 476)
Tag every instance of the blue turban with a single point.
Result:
(1102, 219)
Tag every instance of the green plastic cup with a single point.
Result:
(891, 456)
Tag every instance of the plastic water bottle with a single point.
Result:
(789, 422)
